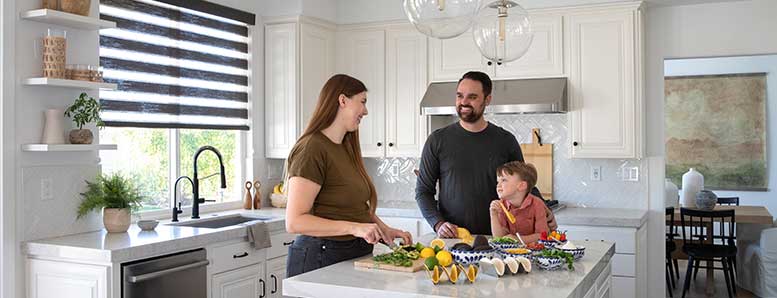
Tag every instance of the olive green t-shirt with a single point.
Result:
(344, 193)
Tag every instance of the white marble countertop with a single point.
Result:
(607, 217)
(344, 280)
(100, 246)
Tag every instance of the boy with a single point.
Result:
(515, 180)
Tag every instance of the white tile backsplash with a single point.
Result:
(395, 181)
(56, 216)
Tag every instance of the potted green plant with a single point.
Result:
(83, 111)
(118, 197)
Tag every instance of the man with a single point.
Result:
(463, 157)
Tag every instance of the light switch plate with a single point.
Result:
(46, 192)
(630, 174)
(596, 173)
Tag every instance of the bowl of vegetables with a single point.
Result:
(516, 252)
(502, 243)
(552, 259)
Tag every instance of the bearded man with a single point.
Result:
(463, 157)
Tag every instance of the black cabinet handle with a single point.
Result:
(243, 255)
(490, 63)
(391, 144)
(380, 144)
(574, 143)
(499, 63)
(274, 284)
(261, 281)
(288, 243)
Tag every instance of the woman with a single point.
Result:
(332, 200)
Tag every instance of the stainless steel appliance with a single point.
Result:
(180, 275)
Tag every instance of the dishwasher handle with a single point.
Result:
(152, 275)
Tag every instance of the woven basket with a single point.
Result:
(54, 48)
(79, 7)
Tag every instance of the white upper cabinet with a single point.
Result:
(280, 89)
(405, 86)
(299, 58)
(451, 58)
(545, 57)
(605, 89)
(361, 54)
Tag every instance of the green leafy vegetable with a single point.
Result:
(559, 254)
(504, 240)
(400, 257)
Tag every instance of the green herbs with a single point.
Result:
(503, 240)
(400, 257)
(84, 110)
(558, 254)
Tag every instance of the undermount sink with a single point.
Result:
(220, 222)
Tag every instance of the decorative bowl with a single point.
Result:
(470, 257)
(503, 246)
(551, 243)
(147, 225)
(706, 200)
(547, 263)
(505, 254)
(577, 253)
(278, 200)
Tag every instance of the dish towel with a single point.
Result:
(258, 235)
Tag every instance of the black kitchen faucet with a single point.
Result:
(196, 200)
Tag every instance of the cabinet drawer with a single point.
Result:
(280, 245)
(624, 265)
(604, 277)
(625, 239)
(624, 287)
(231, 256)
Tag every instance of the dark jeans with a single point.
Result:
(310, 253)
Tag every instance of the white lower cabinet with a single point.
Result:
(623, 286)
(52, 279)
(276, 272)
(245, 282)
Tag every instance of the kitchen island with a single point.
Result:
(591, 278)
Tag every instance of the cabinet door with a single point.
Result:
(245, 282)
(361, 54)
(48, 279)
(276, 272)
(405, 86)
(452, 58)
(317, 65)
(280, 89)
(545, 55)
(604, 103)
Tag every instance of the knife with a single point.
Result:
(391, 244)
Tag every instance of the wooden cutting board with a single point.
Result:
(367, 262)
(541, 156)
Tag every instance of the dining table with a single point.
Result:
(746, 215)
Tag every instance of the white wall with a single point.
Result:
(706, 30)
(7, 152)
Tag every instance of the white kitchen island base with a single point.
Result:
(590, 279)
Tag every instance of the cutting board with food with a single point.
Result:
(541, 156)
(402, 258)
(368, 262)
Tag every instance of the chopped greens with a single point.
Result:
(506, 240)
(559, 254)
(400, 257)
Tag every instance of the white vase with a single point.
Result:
(53, 128)
(693, 182)
(671, 194)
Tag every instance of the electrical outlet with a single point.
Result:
(596, 173)
(630, 174)
(46, 191)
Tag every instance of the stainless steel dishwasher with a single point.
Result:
(180, 275)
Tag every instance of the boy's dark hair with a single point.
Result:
(525, 171)
(481, 77)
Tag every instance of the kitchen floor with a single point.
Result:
(698, 286)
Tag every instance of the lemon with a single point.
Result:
(444, 258)
(427, 252)
(472, 273)
(453, 273)
(437, 243)
(436, 275)
(431, 262)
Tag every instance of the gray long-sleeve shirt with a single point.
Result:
(465, 165)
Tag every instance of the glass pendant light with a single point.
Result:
(502, 31)
(442, 18)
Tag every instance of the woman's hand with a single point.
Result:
(392, 233)
(370, 232)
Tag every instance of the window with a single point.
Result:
(145, 154)
(181, 68)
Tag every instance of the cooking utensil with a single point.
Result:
(509, 215)
(390, 244)
(519, 239)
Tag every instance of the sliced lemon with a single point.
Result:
(453, 273)
(437, 243)
(434, 274)
(472, 273)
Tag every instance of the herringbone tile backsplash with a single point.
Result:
(395, 180)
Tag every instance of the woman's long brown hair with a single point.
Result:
(324, 115)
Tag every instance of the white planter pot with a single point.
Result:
(116, 220)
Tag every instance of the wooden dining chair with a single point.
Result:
(672, 269)
(699, 222)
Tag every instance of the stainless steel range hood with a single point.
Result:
(508, 97)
